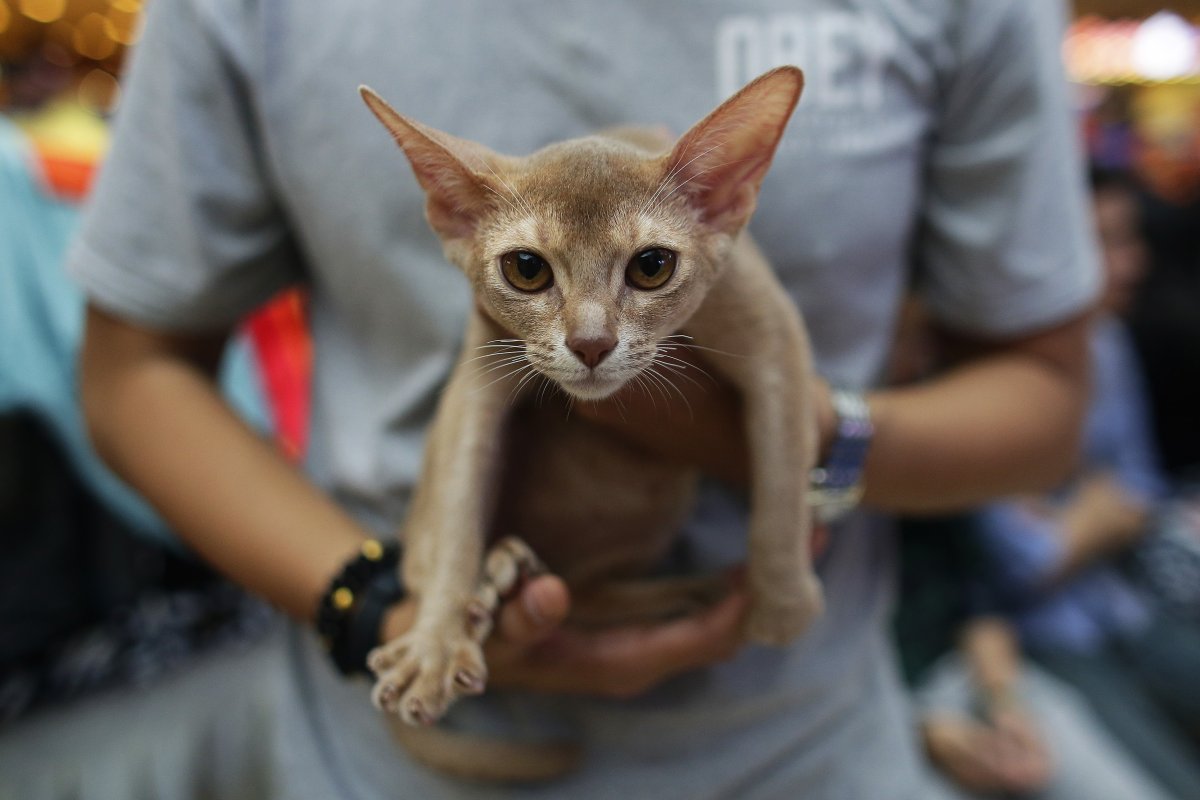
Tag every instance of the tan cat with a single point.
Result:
(590, 261)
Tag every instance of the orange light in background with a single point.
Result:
(99, 90)
(5, 16)
(91, 38)
(43, 10)
(122, 26)
(127, 6)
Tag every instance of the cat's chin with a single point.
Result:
(591, 388)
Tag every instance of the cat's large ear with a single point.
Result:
(456, 195)
(720, 163)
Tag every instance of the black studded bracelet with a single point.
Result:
(352, 608)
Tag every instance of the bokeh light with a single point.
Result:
(43, 10)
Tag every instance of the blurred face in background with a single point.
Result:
(1118, 227)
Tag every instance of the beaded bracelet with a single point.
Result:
(352, 608)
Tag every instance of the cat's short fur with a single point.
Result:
(551, 245)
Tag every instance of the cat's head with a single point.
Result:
(593, 250)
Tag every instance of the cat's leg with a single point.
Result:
(785, 591)
(748, 314)
(439, 659)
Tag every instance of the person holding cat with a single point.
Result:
(932, 136)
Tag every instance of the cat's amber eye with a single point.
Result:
(526, 271)
(651, 268)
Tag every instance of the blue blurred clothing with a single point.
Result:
(1025, 549)
(41, 326)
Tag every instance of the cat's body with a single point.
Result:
(590, 261)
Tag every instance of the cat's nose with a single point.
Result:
(591, 350)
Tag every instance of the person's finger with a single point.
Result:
(539, 608)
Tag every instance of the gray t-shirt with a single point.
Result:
(934, 138)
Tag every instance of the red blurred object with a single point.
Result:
(283, 348)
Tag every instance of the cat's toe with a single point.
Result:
(430, 675)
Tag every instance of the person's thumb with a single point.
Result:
(539, 608)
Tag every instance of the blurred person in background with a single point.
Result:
(1164, 318)
(1053, 559)
(244, 162)
(991, 721)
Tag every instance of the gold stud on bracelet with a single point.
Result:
(372, 550)
(343, 598)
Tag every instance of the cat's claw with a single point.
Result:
(425, 674)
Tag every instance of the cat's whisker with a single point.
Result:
(640, 382)
(655, 380)
(620, 406)
(508, 201)
(708, 350)
(676, 389)
(503, 354)
(666, 181)
(505, 376)
(541, 395)
(507, 363)
(516, 390)
(664, 354)
(679, 186)
(516, 197)
(679, 370)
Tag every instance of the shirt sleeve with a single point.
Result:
(183, 230)
(1004, 245)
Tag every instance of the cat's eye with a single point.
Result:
(526, 271)
(651, 268)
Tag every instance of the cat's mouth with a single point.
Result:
(592, 386)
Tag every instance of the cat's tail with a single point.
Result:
(482, 759)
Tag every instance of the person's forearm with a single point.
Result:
(1000, 426)
(991, 650)
(1099, 520)
(161, 424)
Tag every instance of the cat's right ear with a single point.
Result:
(720, 163)
(456, 196)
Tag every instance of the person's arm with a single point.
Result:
(1100, 519)
(1004, 751)
(989, 646)
(156, 417)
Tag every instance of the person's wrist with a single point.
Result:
(836, 482)
(352, 611)
(397, 620)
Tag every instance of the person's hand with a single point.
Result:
(532, 648)
(1023, 754)
(1007, 756)
(1103, 511)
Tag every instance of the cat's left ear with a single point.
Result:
(445, 166)
(720, 163)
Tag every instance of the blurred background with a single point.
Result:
(94, 595)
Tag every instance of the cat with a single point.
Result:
(590, 260)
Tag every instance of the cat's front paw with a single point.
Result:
(419, 675)
(779, 617)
